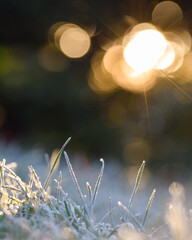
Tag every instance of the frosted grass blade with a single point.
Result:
(57, 158)
(98, 182)
(35, 178)
(137, 182)
(12, 188)
(90, 196)
(149, 206)
(130, 214)
(2, 171)
(67, 209)
(110, 209)
(58, 187)
(75, 180)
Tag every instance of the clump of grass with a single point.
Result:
(28, 211)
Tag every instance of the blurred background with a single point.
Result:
(63, 72)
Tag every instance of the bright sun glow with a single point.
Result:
(144, 51)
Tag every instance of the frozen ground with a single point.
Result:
(115, 184)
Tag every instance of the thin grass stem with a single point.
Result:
(57, 158)
(137, 182)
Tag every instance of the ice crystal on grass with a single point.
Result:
(28, 211)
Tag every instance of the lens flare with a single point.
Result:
(145, 49)
(127, 78)
(111, 57)
(166, 14)
(75, 42)
(58, 29)
(142, 53)
(167, 59)
(100, 80)
(186, 71)
(70, 39)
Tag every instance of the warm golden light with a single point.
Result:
(112, 56)
(71, 39)
(100, 80)
(127, 78)
(74, 42)
(178, 60)
(145, 49)
(186, 39)
(167, 59)
(166, 14)
(144, 54)
(186, 71)
(180, 48)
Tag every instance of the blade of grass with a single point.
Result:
(58, 187)
(12, 198)
(131, 215)
(30, 185)
(2, 171)
(137, 182)
(98, 182)
(79, 214)
(12, 188)
(110, 209)
(75, 180)
(158, 229)
(35, 178)
(16, 178)
(90, 195)
(149, 206)
(57, 158)
(67, 209)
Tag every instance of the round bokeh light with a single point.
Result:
(145, 49)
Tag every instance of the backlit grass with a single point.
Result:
(29, 211)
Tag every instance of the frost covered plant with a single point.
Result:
(28, 211)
